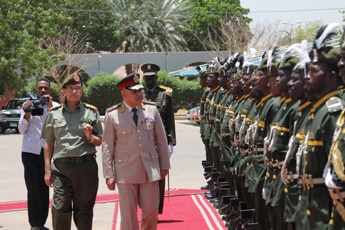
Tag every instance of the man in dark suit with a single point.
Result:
(135, 155)
(162, 96)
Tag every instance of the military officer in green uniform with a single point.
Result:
(289, 174)
(72, 131)
(265, 110)
(334, 171)
(278, 144)
(323, 81)
(162, 96)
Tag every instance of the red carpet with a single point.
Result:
(185, 209)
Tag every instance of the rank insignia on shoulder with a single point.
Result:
(55, 107)
(167, 89)
(91, 106)
(114, 107)
(149, 103)
(334, 104)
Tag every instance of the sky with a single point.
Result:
(294, 11)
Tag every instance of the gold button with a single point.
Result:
(119, 160)
(281, 134)
(274, 177)
(268, 175)
(308, 212)
(299, 197)
(139, 138)
(139, 145)
(123, 132)
(138, 130)
(141, 151)
(286, 190)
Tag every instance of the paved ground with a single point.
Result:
(186, 172)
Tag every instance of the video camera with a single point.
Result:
(36, 108)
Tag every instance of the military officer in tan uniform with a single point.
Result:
(135, 154)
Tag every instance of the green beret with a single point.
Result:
(248, 69)
(288, 62)
(273, 69)
(237, 76)
(323, 50)
(327, 54)
(263, 65)
(72, 79)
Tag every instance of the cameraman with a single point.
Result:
(33, 156)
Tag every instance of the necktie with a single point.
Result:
(135, 115)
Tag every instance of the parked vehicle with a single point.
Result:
(194, 114)
(10, 114)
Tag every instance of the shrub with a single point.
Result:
(101, 92)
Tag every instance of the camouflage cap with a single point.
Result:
(72, 79)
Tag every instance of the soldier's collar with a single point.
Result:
(304, 105)
(65, 107)
(216, 88)
(265, 98)
(323, 99)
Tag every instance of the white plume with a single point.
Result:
(330, 29)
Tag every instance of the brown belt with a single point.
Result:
(308, 181)
(76, 160)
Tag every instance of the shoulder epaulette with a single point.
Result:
(90, 106)
(149, 103)
(167, 89)
(55, 107)
(334, 104)
(114, 107)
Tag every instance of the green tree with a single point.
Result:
(150, 25)
(306, 32)
(93, 21)
(23, 24)
(207, 18)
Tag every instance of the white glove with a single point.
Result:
(170, 149)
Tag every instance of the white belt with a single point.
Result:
(277, 164)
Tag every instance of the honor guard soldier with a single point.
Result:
(334, 171)
(289, 174)
(278, 144)
(323, 81)
(265, 111)
(162, 96)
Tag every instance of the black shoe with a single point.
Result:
(205, 187)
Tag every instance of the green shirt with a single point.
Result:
(65, 128)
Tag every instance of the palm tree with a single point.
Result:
(150, 26)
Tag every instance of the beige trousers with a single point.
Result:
(146, 196)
